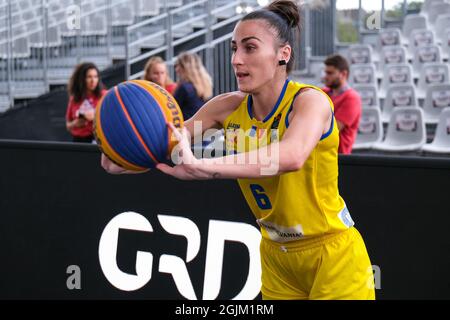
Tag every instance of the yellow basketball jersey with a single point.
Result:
(296, 205)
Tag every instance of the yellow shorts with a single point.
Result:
(330, 267)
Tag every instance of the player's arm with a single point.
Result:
(309, 119)
(210, 115)
(213, 113)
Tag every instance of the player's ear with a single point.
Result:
(285, 53)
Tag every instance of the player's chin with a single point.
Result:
(245, 88)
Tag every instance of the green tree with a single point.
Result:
(347, 32)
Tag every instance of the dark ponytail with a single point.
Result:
(284, 17)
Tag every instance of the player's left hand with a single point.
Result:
(187, 165)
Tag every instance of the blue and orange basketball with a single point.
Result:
(131, 124)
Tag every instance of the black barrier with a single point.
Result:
(71, 231)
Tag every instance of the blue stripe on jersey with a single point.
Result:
(280, 98)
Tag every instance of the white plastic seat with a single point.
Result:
(389, 37)
(53, 36)
(370, 129)
(426, 54)
(437, 9)
(360, 54)
(95, 25)
(446, 45)
(87, 8)
(28, 15)
(392, 54)
(147, 8)
(386, 37)
(432, 73)
(398, 95)
(122, 15)
(427, 4)
(362, 74)
(414, 21)
(442, 23)
(397, 73)
(24, 4)
(418, 38)
(406, 131)
(368, 94)
(21, 48)
(174, 3)
(441, 141)
(437, 98)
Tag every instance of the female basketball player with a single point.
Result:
(309, 247)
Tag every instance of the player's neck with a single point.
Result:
(265, 99)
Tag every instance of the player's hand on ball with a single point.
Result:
(187, 165)
(113, 168)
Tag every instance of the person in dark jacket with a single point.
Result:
(195, 85)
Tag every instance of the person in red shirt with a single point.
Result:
(85, 91)
(156, 71)
(347, 102)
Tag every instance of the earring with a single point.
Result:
(282, 62)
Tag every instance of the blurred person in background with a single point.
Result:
(347, 102)
(85, 91)
(194, 86)
(156, 71)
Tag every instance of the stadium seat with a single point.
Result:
(397, 73)
(362, 74)
(389, 37)
(95, 26)
(446, 45)
(442, 24)
(426, 54)
(418, 38)
(21, 48)
(398, 95)
(432, 73)
(437, 9)
(174, 3)
(405, 132)
(370, 129)
(427, 4)
(441, 141)
(386, 37)
(122, 15)
(413, 21)
(437, 98)
(360, 54)
(24, 4)
(392, 54)
(147, 8)
(368, 94)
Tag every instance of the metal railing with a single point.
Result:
(176, 34)
(42, 49)
(41, 41)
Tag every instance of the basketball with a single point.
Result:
(130, 124)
